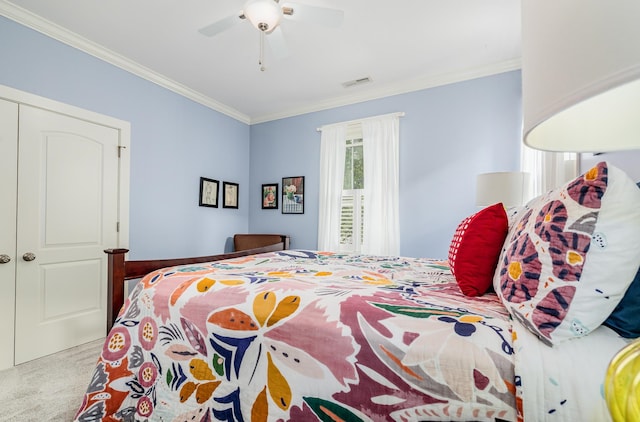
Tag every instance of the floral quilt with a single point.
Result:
(305, 336)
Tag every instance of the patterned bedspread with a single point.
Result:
(305, 336)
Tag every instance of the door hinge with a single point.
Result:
(118, 227)
(120, 148)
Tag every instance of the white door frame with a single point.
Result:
(122, 126)
(124, 132)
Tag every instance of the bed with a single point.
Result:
(119, 270)
(305, 335)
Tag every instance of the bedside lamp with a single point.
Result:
(510, 188)
(581, 93)
(581, 75)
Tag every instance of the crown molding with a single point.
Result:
(403, 87)
(50, 29)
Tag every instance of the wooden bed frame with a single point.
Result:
(119, 270)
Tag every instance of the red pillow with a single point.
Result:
(476, 247)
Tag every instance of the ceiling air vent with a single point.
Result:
(355, 82)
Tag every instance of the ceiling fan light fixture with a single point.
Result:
(265, 15)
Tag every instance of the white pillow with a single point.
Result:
(571, 255)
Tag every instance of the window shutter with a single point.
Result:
(346, 222)
(352, 221)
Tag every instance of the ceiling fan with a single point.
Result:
(266, 15)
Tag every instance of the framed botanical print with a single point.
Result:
(208, 192)
(293, 195)
(269, 196)
(230, 199)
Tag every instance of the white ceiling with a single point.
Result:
(401, 45)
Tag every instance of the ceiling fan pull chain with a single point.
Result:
(261, 60)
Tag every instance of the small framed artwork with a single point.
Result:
(208, 192)
(230, 199)
(293, 195)
(270, 196)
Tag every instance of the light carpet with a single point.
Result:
(50, 388)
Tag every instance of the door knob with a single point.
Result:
(29, 256)
(4, 259)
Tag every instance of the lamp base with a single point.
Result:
(622, 384)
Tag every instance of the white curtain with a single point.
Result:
(548, 169)
(332, 153)
(381, 150)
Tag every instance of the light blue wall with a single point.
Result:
(174, 141)
(449, 135)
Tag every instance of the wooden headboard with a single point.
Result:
(242, 242)
(119, 270)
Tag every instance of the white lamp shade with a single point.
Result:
(510, 188)
(581, 74)
(263, 14)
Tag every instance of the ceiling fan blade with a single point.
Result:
(318, 15)
(278, 44)
(220, 26)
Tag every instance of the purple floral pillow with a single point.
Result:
(568, 260)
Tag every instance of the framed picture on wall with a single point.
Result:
(293, 195)
(208, 192)
(230, 199)
(270, 196)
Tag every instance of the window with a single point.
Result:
(359, 186)
(548, 169)
(352, 200)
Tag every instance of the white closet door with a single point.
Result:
(8, 175)
(67, 215)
